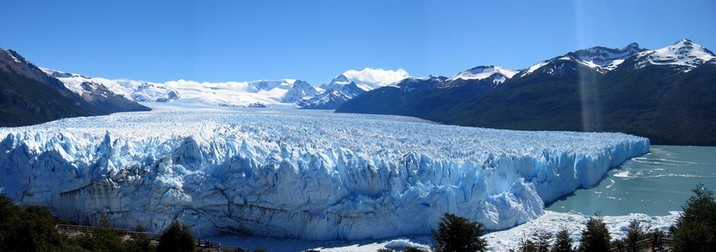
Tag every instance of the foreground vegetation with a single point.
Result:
(33, 228)
(695, 230)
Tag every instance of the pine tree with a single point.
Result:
(635, 232)
(537, 242)
(596, 235)
(541, 240)
(526, 245)
(695, 229)
(176, 238)
(458, 234)
(562, 242)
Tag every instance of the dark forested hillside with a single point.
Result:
(667, 95)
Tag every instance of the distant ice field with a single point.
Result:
(297, 174)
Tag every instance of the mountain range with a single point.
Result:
(260, 93)
(28, 95)
(666, 95)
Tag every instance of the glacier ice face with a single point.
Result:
(297, 173)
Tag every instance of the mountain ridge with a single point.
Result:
(29, 96)
(663, 94)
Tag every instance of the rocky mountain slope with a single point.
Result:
(28, 95)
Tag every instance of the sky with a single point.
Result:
(316, 40)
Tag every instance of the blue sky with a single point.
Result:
(317, 40)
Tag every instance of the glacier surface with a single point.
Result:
(298, 174)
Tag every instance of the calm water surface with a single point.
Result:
(654, 184)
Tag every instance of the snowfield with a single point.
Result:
(300, 174)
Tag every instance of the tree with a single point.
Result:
(526, 245)
(695, 229)
(102, 238)
(537, 242)
(635, 233)
(36, 230)
(140, 241)
(412, 249)
(562, 241)
(176, 237)
(9, 215)
(458, 234)
(30, 228)
(657, 242)
(541, 240)
(596, 235)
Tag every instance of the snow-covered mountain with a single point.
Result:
(604, 59)
(497, 74)
(484, 72)
(298, 91)
(251, 93)
(600, 59)
(684, 55)
(28, 95)
(350, 84)
(330, 99)
(247, 94)
(663, 94)
(338, 91)
(367, 79)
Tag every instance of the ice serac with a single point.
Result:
(308, 175)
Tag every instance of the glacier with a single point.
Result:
(290, 173)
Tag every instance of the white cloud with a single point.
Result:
(378, 76)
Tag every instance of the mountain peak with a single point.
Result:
(341, 78)
(17, 57)
(688, 45)
(599, 58)
(633, 45)
(605, 59)
(13, 61)
(484, 72)
(683, 54)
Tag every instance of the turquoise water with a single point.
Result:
(653, 184)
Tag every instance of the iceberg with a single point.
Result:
(311, 175)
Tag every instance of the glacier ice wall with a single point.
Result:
(299, 174)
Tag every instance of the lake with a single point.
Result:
(653, 184)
